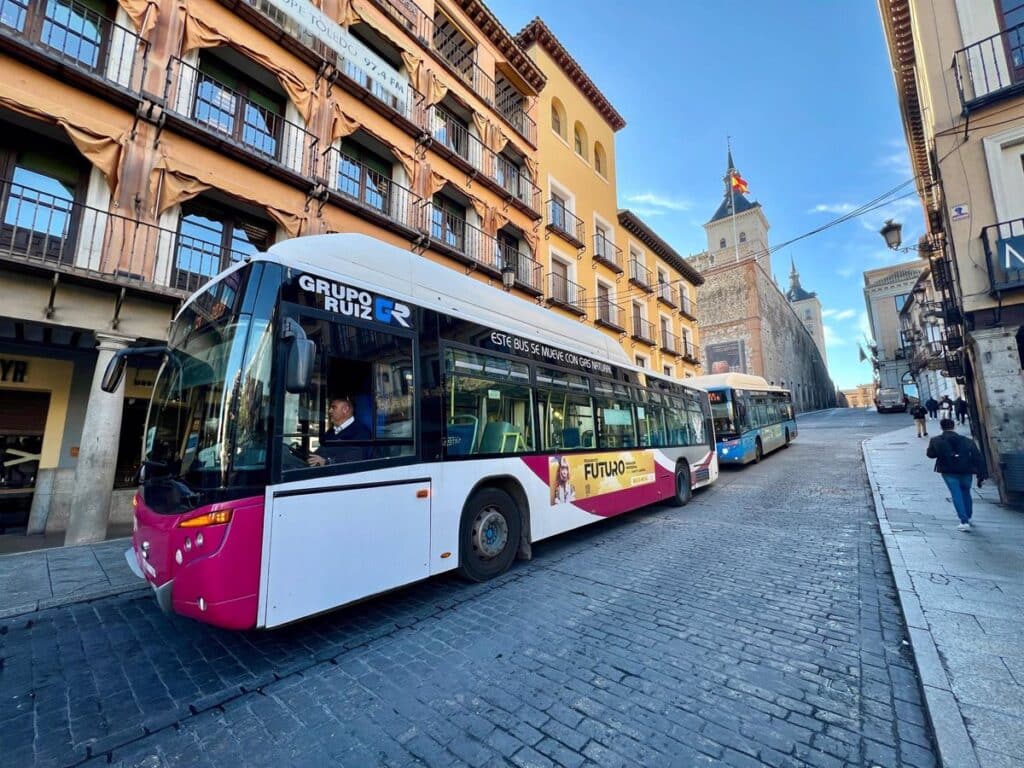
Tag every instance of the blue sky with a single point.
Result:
(804, 90)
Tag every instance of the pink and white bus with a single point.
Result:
(472, 424)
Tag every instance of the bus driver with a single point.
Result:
(335, 442)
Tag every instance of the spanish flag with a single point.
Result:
(738, 184)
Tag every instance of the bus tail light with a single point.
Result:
(220, 517)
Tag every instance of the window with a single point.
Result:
(1012, 12)
(451, 131)
(901, 301)
(605, 310)
(614, 415)
(232, 103)
(211, 237)
(373, 372)
(76, 30)
(490, 403)
(454, 46)
(558, 209)
(561, 290)
(601, 247)
(669, 370)
(743, 237)
(364, 176)
(578, 144)
(721, 243)
(558, 124)
(600, 160)
(448, 222)
(566, 410)
(641, 361)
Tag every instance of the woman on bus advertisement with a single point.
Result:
(562, 491)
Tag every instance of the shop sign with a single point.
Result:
(13, 371)
(1008, 269)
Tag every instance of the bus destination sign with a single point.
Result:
(353, 302)
(506, 342)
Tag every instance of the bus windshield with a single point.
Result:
(207, 424)
(722, 412)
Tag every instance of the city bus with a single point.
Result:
(752, 418)
(486, 423)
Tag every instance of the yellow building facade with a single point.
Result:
(604, 264)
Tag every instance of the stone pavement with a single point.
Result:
(45, 578)
(962, 595)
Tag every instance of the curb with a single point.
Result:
(944, 716)
(55, 602)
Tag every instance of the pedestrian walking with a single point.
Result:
(946, 406)
(920, 413)
(958, 459)
(933, 407)
(960, 408)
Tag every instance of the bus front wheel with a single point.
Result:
(683, 488)
(488, 534)
(758, 451)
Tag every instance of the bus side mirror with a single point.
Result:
(301, 357)
(115, 371)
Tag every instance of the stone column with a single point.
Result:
(97, 453)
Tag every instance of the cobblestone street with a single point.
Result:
(756, 626)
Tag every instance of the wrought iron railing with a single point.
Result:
(512, 106)
(457, 138)
(465, 65)
(409, 16)
(46, 230)
(565, 293)
(77, 36)
(667, 295)
(669, 341)
(528, 272)
(609, 313)
(228, 114)
(608, 253)
(643, 330)
(565, 222)
(453, 233)
(990, 69)
(690, 351)
(639, 275)
(686, 305)
(372, 190)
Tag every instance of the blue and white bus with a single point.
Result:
(751, 417)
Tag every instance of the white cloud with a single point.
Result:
(839, 208)
(654, 200)
(845, 272)
(839, 314)
(833, 339)
(646, 211)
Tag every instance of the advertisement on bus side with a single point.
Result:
(573, 477)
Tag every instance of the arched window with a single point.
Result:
(579, 137)
(558, 117)
(721, 243)
(743, 237)
(600, 160)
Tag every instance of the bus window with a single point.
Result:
(723, 407)
(566, 410)
(372, 371)
(696, 420)
(650, 421)
(489, 402)
(614, 415)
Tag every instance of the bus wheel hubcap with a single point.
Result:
(490, 533)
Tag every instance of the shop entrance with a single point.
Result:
(22, 425)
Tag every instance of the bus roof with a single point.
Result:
(734, 381)
(384, 268)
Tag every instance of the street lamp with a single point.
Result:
(508, 274)
(893, 233)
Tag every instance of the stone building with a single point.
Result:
(886, 292)
(747, 324)
(862, 396)
(808, 309)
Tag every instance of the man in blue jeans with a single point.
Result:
(957, 459)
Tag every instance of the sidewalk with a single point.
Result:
(962, 595)
(44, 578)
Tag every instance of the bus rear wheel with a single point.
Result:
(684, 491)
(758, 451)
(488, 534)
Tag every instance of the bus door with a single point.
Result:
(351, 514)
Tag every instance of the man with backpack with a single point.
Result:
(957, 459)
(920, 413)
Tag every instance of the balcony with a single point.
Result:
(369, 192)
(667, 295)
(991, 69)
(609, 315)
(510, 105)
(640, 276)
(45, 232)
(455, 50)
(564, 222)
(68, 37)
(643, 330)
(1004, 254)
(463, 148)
(564, 293)
(229, 120)
(409, 16)
(669, 342)
(690, 351)
(687, 307)
(608, 253)
(529, 273)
